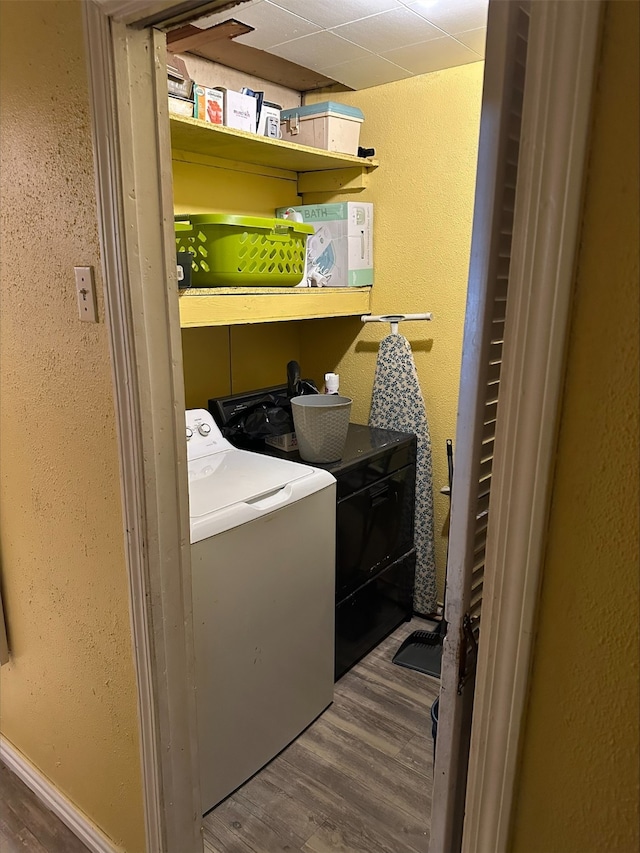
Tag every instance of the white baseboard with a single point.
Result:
(77, 822)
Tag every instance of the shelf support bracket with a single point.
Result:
(351, 179)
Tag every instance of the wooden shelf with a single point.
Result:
(190, 135)
(314, 170)
(228, 306)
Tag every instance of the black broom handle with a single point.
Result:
(442, 627)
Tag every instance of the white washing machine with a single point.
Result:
(263, 579)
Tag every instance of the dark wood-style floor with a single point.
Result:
(358, 780)
(26, 825)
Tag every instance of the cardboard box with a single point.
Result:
(269, 121)
(180, 106)
(239, 110)
(340, 251)
(332, 126)
(287, 442)
(178, 81)
(209, 104)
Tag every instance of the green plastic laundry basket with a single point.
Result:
(231, 250)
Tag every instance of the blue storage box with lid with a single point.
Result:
(329, 125)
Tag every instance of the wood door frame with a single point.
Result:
(132, 154)
(135, 216)
(562, 57)
(145, 13)
(498, 133)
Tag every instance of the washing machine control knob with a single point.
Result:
(204, 429)
(189, 433)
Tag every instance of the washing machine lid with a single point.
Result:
(229, 487)
(222, 480)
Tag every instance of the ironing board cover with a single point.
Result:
(397, 403)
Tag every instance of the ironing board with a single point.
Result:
(397, 403)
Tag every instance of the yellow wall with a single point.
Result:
(578, 787)
(425, 132)
(220, 360)
(204, 188)
(68, 697)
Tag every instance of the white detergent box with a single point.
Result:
(340, 251)
(239, 110)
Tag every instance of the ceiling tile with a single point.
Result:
(319, 50)
(217, 17)
(332, 13)
(452, 16)
(272, 25)
(407, 35)
(432, 55)
(475, 39)
(367, 71)
(388, 30)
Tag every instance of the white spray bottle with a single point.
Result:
(331, 383)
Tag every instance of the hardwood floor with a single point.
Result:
(358, 780)
(26, 825)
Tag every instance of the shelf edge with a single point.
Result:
(337, 160)
(225, 309)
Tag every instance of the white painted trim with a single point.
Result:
(132, 161)
(562, 55)
(110, 218)
(62, 808)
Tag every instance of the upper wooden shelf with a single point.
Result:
(199, 137)
(228, 306)
(315, 171)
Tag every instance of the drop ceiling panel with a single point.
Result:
(475, 39)
(319, 50)
(452, 16)
(273, 25)
(332, 13)
(396, 28)
(237, 12)
(433, 55)
(362, 43)
(367, 71)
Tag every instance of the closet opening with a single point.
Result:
(357, 772)
(150, 349)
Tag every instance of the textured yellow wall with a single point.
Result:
(206, 364)
(204, 188)
(578, 788)
(425, 132)
(219, 360)
(68, 697)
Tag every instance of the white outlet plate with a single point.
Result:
(86, 293)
